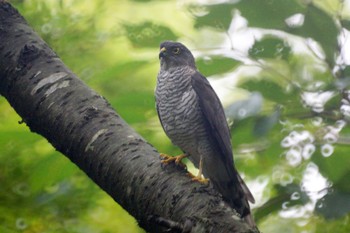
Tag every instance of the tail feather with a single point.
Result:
(246, 190)
(237, 194)
(249, 219)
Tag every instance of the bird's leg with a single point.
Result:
(166, 159)
(199, 176)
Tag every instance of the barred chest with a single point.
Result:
(178, 107)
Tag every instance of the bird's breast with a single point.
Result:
(179, 109)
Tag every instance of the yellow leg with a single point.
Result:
(199, 176)
(166, 159)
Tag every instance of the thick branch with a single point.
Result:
(78, 122)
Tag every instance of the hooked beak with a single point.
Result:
(162, 52)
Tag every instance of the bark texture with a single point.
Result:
(81, 124)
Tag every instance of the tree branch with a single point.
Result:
(82, 125)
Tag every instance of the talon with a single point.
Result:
(201, 180)
(166, 159)
(198, 178)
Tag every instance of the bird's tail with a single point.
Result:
(246, 190)
(237, 194)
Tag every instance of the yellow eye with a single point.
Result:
(176, 50)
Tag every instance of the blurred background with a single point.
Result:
(280, 67)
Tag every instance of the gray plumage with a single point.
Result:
(193, 118)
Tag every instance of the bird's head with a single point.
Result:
(173, 54)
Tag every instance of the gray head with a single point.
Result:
(174, 54)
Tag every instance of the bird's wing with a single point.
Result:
(214, 114)
(160, 119)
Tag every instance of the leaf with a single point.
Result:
(321, 27)
(317, 23)
(344, 74)
(342, 184)
(217, 16)
(216, 65)
(270, 47)
(345, 23)
(270, 90)
(334, 167)
(268, 14)
(242, 131)
(148, 34)
(290, 194)
(334, 205)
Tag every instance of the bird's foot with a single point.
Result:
(166, 159)
(198, 178)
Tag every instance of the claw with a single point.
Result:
(166, 159)
(198, 178)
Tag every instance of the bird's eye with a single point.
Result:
(176, 50)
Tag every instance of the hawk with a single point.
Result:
(193, 118)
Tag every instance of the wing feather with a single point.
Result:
(215, 117)
(160, 119)
(214, 113)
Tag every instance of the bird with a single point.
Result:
(193, 118)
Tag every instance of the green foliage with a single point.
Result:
(269, 89)
(216, 65)
(321, 27)
(215, 16)
(334, 205)
(270, 47)
(286, 76)
(147, 34)
(277, 11)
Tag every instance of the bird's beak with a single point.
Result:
(162, 52)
